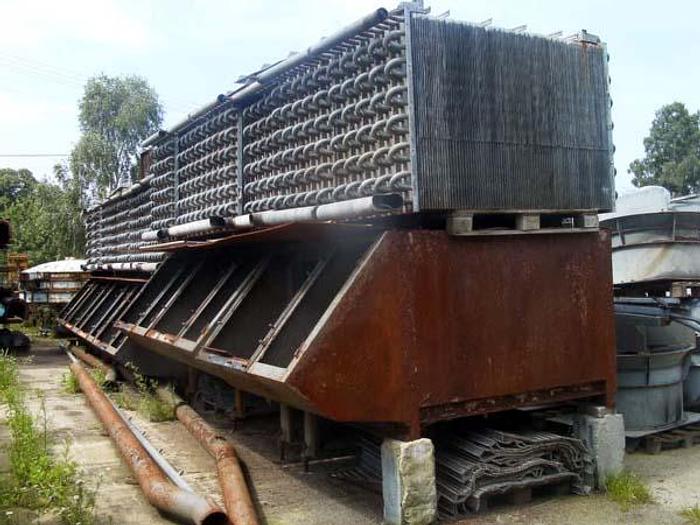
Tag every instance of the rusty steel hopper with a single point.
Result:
(395, 328)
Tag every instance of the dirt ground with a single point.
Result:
(288, 495)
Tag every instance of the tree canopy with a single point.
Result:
(672, 152)
(116, 115)
(44, 217)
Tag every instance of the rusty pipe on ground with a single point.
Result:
(110, 372)
(237, 500)
(158, 490)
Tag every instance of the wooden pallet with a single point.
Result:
(523, 496)
(520, 222)
(682, 437)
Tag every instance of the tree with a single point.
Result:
(44, 217)
(672, 152)
(14, 184)
(116, 115)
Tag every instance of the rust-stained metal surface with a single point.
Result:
(400, 329)
(156, 487)
(482, 321)
(234, 489)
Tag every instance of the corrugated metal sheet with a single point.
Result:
(509, 121)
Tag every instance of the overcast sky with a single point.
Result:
(191, 50)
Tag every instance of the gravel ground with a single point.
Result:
(289, 496)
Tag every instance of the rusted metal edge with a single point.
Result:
(455, 410)
(134, 280)
(97, 343)
(158, 490)
(237, 500)
(284, 232)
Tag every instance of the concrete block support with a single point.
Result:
(604, 435)
(408, 482)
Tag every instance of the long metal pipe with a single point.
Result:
(358, 207)
(363, 24)
(158, 490)
(349, 209)
(198, 227)
(166, 467)
(237, 500)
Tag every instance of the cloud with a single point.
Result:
(82, 21)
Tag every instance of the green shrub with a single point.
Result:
(691, 515)
(627, 489)
(37, 480)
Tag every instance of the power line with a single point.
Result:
(34, 155)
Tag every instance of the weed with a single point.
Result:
(143, 400)
(37, 480)
(70, 383)
(691, 515)
(627, 489)
(126, 398)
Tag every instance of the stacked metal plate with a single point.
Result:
(475, 465)
(472, 466)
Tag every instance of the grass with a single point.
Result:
(691, 515)
(142, 399)
(37, 479)
(71, 385)
(627, 489)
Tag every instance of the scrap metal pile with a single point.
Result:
(472, 466)
(475, 465)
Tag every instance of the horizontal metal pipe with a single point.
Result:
(351, 30)
(357, 207)
(158, 490)
(151, 235)
(164, 465)
(349, 209)
(240, 222)
(237, 500)
(272, 217)
(173, 475)
(191, 228)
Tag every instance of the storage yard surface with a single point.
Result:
(287, 495)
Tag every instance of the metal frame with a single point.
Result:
(175, 295)
(219, 321)
(289, 309)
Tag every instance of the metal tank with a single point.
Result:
(654, 344)
(655, 253)
(655, 239)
